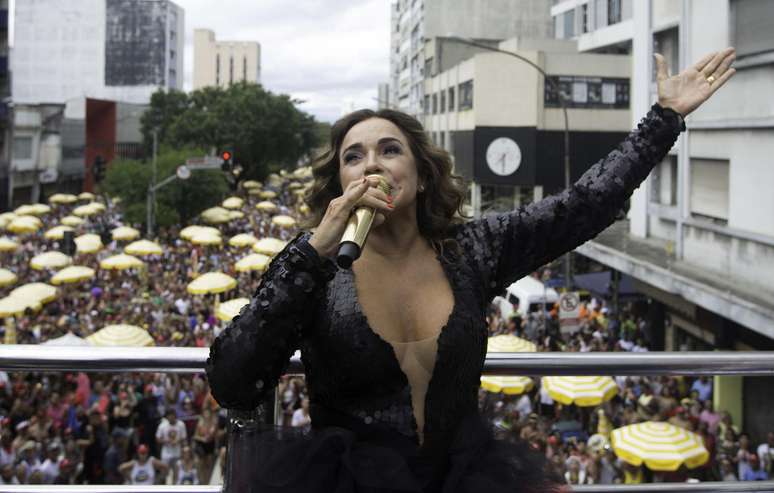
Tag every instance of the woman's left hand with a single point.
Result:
(687, 90)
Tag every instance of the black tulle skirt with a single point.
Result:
(360, 459)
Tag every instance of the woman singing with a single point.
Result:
(393, 348)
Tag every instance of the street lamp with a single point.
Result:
(555, 86)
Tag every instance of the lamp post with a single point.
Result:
(555, 86)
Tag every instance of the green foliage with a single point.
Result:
(266, 130)
(177, 202)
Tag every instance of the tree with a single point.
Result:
(177, 202)
(266, 130)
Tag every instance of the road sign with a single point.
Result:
(183, 172)
(205, 162)
(569, 312)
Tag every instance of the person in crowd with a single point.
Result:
(187, 471)
(171, 434)
(754, 472)
(145, 469)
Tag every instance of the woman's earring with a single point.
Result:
(421, 188)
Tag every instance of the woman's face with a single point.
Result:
(378, 146)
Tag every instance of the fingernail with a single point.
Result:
(390, 206)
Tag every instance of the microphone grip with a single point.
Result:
(358, 227)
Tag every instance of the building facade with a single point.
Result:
(5, 92)
(700, 235)
(222, 63)
(415, 21)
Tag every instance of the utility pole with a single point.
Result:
(151, 205)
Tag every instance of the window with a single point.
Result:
(443, 101)
(231, 70)
(587, 92)
(244, 68)
(217, 69)
(435, 103)
(666, 42)
(569, 24)
(466, 95)
(22, 147)
(429, 67)
(427, 104)
(443, 139)
(451, 99)
(663, 187)
(709, 189)
(751, 30)
(613, 12)
(585, 24)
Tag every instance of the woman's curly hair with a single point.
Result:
(439, 205)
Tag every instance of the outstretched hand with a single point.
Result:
(687, 90)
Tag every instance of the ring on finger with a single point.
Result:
(711, 79)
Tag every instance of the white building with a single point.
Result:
(222, 63)
(415, 21)
(700, 238)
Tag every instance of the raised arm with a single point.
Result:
(247, 359)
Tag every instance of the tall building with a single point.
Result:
(5, 91)
(415, 21)
(700, 236)
(222, 63)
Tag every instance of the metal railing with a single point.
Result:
(192, 360)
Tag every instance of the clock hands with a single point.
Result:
(502, 163)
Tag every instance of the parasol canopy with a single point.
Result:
(11, 306)
(661, 446)
(50, 260)
(86, 210)
(211, 283)
(88, 243)
(216, 215)
(68, 339)
(121, 335)
(269, 246)
(230, 309)
(191, 231)
(35, 291)
(7, 277)
(121, 262)
(242, 240)
(266, 206)
(73, 274)
(248, 184)
(24, 224)
(506, 343)
(57, 232)
(72, 221)
(581, 391)
(143, 247)
(125, 233)
(206, 239)
(32, 210)
(8, 245)
(254, 261)
(233, 203)
(86, 196)
(267, 194)
(62, 198)
(283, 221)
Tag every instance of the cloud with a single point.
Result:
(330, 53)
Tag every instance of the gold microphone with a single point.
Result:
(358, 227)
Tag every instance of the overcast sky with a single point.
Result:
(329, 53)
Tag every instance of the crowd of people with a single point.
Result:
(73, 428)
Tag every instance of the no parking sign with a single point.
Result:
(569, 312)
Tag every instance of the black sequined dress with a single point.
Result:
(364, 435)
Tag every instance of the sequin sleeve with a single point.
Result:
(248, 357)
(505, 247)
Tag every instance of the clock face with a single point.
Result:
(503, 156)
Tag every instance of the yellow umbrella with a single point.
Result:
(661, 446)
(62, 198)
(582, 391)
(211, 282)
(269, 246)
(216, 215)
(267, 194)
(507, 385)
(233, 203)
(236, 214)
(254, 261)
(242, 240)
(6, 218)
(73, 274)
(12, 306)
(36, 291)
(143, 247)
(57, 232)
(303, 172)
(506, 343)
(120, 262)
(50, 260)
(97, 205)
(7, 244)
(283, 221)
(7, 277)
(191, 231)
(32, 210)
(121, 335)
(88, 243)
(266, 206)
(85, 210)
(304, 209)
(125, 233)
(230, 309)
(25, 224)
(247, 185)
(72, 221)
(86, 196)
(207, 239)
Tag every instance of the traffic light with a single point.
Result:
(228, 159)
(99, 169)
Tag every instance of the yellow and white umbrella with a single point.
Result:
(190, 231)
(267, 195)
(506, 343)
(266, 206)
(97, 205)
(6, 218)
(303, 172)
(661, 446)
(32, 210)
(235, 215)
(212, 282)
(72, 221)
(269, 246)
(24, 224)
(11, 306)
(86, 210)
(57, 232)
(121, 335)
(73, 274)
(230, 309)
(143, 247)
(283, 221)
(121, 262)
(233, 203)
(247, 185)
(35, 291)
(294, 185)
(304, 209)
(8, 245)
(581, 391)
(242, 240)
(86, 196)
(62, 198)
(125, 233)
(507, 384)
(216, 215)
(7, 277)
(50, 260)
(68, 339)
(88, 243)
(254, 261)
(206, 239)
